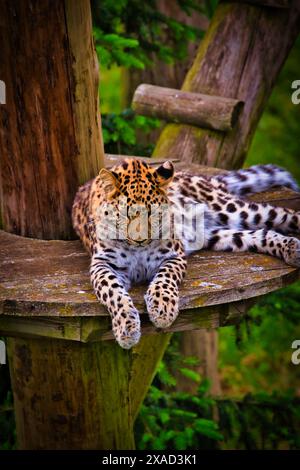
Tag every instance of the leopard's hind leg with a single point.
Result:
(260, 241)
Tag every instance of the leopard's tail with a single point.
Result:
(256, 178)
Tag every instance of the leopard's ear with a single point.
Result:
(164, 173)
(110, 180)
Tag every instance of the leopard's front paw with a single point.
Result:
(162, 306)
(291, 252)
(126, 327)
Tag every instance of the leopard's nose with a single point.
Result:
(141, 242)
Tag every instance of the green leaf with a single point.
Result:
(190, 374)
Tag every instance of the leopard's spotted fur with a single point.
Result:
(231, 223)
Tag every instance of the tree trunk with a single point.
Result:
(160, 73)
(203, 345)
(240, 57)
(67, 395)
(50, 135)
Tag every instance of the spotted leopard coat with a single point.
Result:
(230, 223)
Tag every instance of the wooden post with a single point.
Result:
(66, 395)
(50, 126)
(240, 57)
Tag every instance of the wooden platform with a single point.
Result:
(45, 289)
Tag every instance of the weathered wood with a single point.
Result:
(85, 86)
(239, 57)
(213, 112)
(82, 378)
(54, 280)
(92, 329)
(50, 135)
(159, 72)
(267, 3)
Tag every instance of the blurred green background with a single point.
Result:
(260, 403)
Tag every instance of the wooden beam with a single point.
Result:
(97, 328)
(64, 398)
(213, 112)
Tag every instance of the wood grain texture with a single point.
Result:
(91, 329)
(69, 395)
(54, 280)
(240, 57)
(49, 128)
(213, 112)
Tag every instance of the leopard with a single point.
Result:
(124, 257)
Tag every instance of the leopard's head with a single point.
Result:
(137, 194)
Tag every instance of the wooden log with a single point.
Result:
(213, 112)
(240, 57)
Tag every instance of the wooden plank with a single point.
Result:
(197, 109)
(98, 328)
(54, 279)
(85, 106)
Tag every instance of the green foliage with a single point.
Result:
(258, 357)
(174, 420)
(112, 48)
(261, 421)
(170, 419)
(120, 132)
(128, 32)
